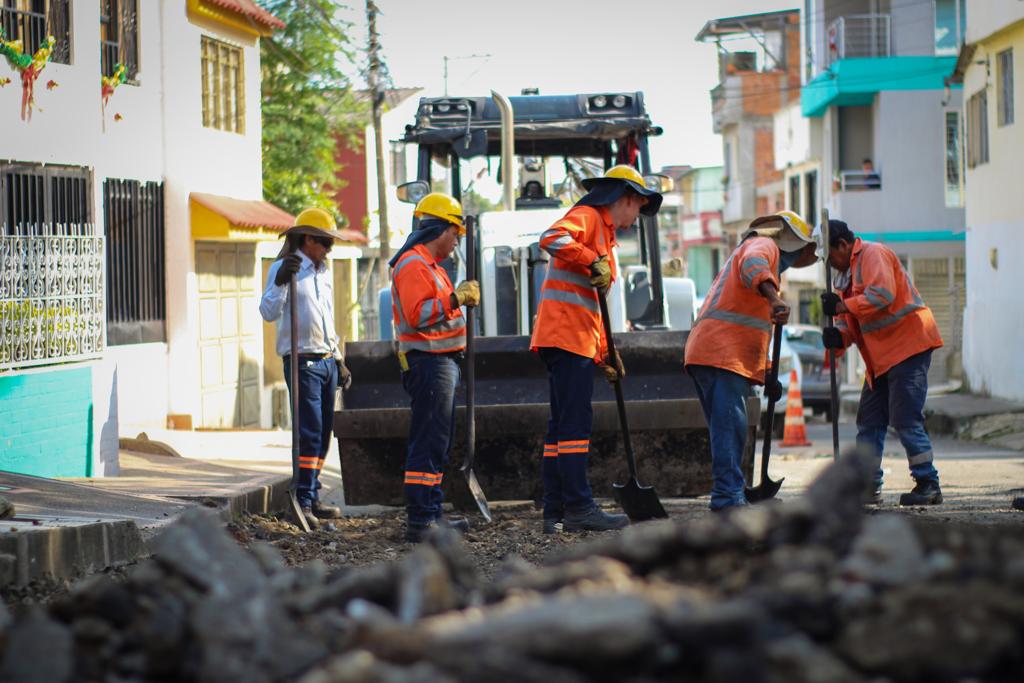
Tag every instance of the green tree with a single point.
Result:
(307, 101)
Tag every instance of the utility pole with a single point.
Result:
(377, 92)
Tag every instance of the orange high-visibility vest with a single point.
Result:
(421, 305)
(569, 315)
(734, 325)
(888, 320)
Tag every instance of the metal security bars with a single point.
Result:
(134, 216)
(31, 21)
(51, 267)
(119, 36)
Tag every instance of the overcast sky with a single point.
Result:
(563, 46)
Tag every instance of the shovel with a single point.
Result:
(467, 462)
(293, 361)
(768, 488)
(640, 503)
(833, 387)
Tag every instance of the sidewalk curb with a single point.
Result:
(70, 549)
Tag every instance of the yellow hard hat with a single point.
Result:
(633, 179)
(315, 217)
(787, 227)
(443, 206)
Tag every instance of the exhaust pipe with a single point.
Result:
(508, 147)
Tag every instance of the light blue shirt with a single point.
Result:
(315, 294)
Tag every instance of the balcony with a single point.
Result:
(859, 35)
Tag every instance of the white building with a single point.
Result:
(988, 63)
(164, 184)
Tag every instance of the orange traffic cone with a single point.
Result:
(795, 433)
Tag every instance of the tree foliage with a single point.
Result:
(307, 102)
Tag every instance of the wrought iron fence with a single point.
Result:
(51, 299)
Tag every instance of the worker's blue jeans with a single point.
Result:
(567, 443)
(318, 380)
(897, 399)
(722, 396)
(430, 381)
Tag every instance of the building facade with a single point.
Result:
(987, 68)
(888, 133)
(134, 231)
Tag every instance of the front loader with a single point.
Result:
(650, 314)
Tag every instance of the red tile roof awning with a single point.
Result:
(247, 213)
(248, 8)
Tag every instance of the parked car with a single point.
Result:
(814, 383)
(789, 360)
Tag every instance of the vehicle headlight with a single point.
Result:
(600, 101)
(619, 101)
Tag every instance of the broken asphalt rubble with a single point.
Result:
(809, 590)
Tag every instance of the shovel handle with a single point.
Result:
(833, 383)
(773, 378)
(293, 365)
(470, 349)
(620, 401)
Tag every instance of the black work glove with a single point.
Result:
(344, 376)
(773, 392)
(289, 266)
(832, 338)
(829, 300)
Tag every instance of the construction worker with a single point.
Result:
(569, 337)
(321, 364)
(727, 349)
(431, 335)
(878, 309)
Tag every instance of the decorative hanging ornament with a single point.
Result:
(28, 66)
(108, 84)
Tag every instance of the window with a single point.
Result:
(950, 23)
(977, 129)
(811, 190)
(134, 217)
(223, 86)
(1004, 90)
(794, 193)
(954, 193)
(31, 21)
(40, 200)
(119, 37)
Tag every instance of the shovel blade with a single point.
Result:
(640, 503)
(297, 511)
(478, 493)
(766, 490)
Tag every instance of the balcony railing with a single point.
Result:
(51, 298)
(859, 180)
(859, 35)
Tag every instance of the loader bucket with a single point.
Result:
(669, 434)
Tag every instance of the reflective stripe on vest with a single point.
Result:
(449, 342)
(571, 298)
(710, 310)
(739, 319)
(568, 276)
(881, 323)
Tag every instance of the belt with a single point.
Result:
(313, 356)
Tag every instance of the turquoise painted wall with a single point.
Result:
(46, 423)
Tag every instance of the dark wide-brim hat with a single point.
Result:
(629, 177)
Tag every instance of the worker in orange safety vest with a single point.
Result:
(878, 308)
(569, 337)
(431, 336)
(727, 349)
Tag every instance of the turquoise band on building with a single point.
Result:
(854, 81)
(914, 236)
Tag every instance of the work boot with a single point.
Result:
(926, 492)
(324, 511)
(311, 519)
(551, 525)
(594, 519)
(415, 533)
(873, 496)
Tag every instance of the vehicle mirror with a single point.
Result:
(411, 193)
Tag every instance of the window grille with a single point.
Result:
(31, 21)
(119, 37)
(223, 86)
(954, 196)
